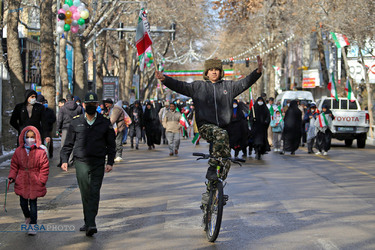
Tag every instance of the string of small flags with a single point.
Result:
(242, 60)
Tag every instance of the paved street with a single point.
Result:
(151, 201)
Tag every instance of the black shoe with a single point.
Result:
(132, 146)
(83, 228)
(293, 153)
(282, 152)
(136, 147)
(211, 174)
(90, 231)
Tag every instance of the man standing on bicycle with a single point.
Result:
(213, 100)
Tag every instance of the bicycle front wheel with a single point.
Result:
(214, 212)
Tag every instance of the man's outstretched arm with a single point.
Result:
(175, 85)
(243, 84)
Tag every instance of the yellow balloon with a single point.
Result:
(68, 20)
(68, 14)
(85, 14)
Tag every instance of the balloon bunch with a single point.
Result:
(72, 16)
(149, 59)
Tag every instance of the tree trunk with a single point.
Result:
(48, 58)
(129, 72)
(14, 53)
(102, 41)
(80, 86)
(369, 91)
(63, 68)
(122, 66)
(322, 57)
(8, 136)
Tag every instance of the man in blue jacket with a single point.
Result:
(213, 100)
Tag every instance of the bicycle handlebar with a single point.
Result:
(207, 156)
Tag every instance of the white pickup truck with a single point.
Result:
(350, 121)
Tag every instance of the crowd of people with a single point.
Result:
(265, 124)
(93, 134)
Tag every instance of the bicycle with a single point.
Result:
(213, 210)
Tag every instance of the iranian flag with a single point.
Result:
(196, 139)
(332, 87)
(183, 121)
(348, 88)
(272, 112)
(281, 113)
(340, 40)
(323, 122)
(251, 100)
(142, 37)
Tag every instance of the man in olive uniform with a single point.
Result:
(91, 138)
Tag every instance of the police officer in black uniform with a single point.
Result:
(91, 137)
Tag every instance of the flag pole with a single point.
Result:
(153, 55)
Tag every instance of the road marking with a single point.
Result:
(327, 244)
(341, 164)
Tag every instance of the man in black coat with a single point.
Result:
(91, 138)
(213, 100)
(66, 114)
(50, 120)
(30, 113)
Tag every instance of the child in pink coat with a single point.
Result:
(29, 170)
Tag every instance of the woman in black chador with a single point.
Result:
(152, 125)
(238, 129)
(259, 124)
(292, 128)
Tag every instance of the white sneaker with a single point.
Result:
(31, 231)
(118, 159)
(275, 150)
(325, 153)
(318, 153)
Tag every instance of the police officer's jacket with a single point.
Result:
(213, 101)
(90, 143)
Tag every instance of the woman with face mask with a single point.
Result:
(292, 128)
(260, 119)
(238, 129)
(29, 171)
(30, 113)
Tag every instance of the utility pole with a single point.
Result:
(57, 68)
(95, 3)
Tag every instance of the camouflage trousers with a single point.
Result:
(220, 146)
